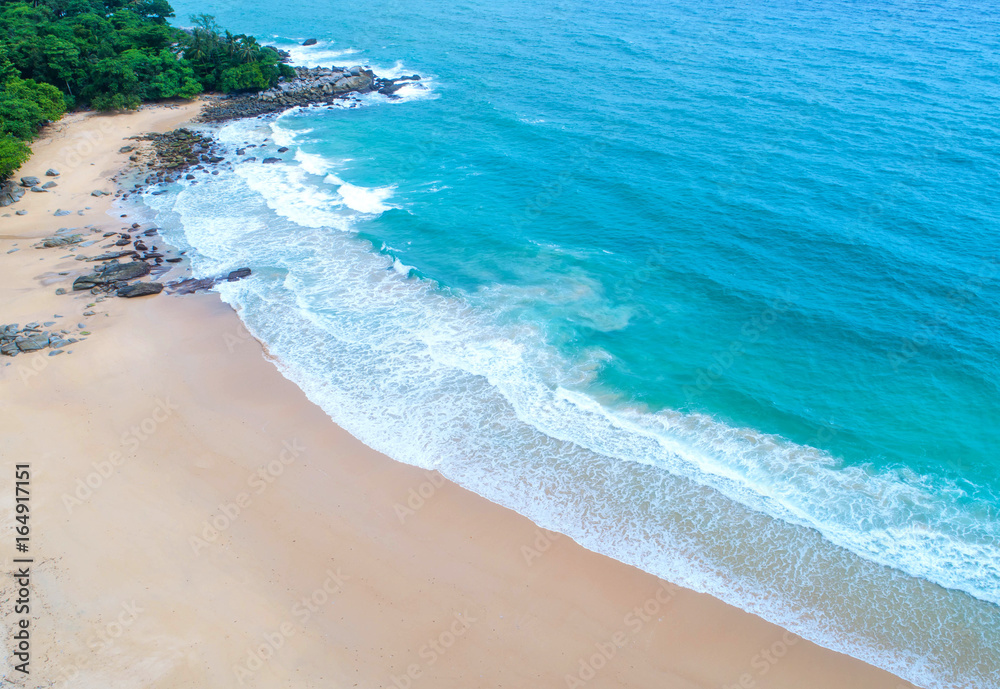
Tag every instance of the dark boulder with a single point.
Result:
(140, 289)
(30, 181)
(272, 160)
(111, 272)
(191, 285)
(310, 41)
(238, 274)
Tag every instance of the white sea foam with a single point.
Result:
(362, 199)
(432, 381)
(313, 163)
(322, 54)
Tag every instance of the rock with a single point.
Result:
(51, 173)
(56, 352)
(9, 348)
(140, 245)
(98, 192)
(10, 193)
(309, 41)
(174, 259)
(60, 213)
(110, 255)
(50, 242)
(61, 291)
(191, 285)
(283, 149)
(140, 289)
(126, 149)
(123, 242)
(39, 190)
(49, 185)
(20, 212)
(33, 342)
(272, 160)
(30, 181)
(238, 274)
(111, 272)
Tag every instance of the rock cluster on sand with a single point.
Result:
(31, 338)
(311, 86)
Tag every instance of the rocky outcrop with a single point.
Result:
(110, 273)
(15, 340)
(192, 285)
(311, 86)
(140, 289)
(59, 240)
(310, 41)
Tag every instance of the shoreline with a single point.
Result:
(221, 530)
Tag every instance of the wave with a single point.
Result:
(428, 378)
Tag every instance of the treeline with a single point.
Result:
(57, 55)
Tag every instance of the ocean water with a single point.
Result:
(711, 287)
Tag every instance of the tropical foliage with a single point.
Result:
(112, 55)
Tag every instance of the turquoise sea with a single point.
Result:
(712, 287)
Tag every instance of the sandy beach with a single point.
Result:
(197, 522)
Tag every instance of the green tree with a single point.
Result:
(13, 154)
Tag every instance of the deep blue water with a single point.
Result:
(713, 287)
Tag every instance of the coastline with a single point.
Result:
(328, 563)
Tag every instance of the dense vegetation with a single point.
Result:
(111, 55)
